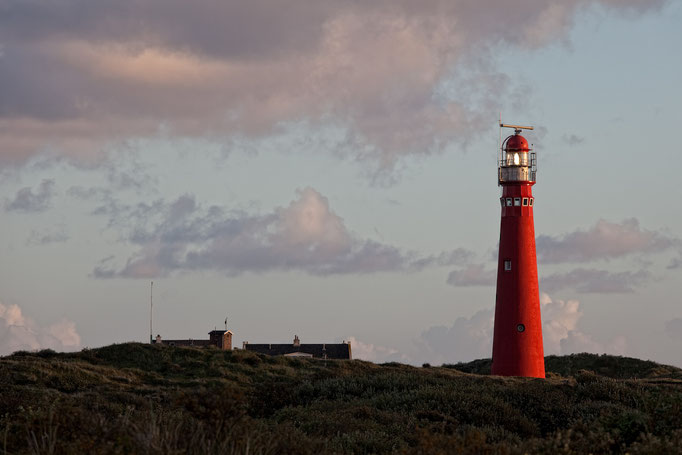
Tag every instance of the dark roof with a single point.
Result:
(332, 351)
(188, 342)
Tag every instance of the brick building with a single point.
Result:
(222, 339)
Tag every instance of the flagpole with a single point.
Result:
(151, 312)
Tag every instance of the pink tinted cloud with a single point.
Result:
(20, 332)
(472, 275)
(306, 235)
(604, 240)
(79, 74)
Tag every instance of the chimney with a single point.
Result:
(297, 342)
(227, 341)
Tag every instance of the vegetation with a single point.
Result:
(135, 398)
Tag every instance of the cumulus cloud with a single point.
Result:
(562, 335)
(81, 73)
(375, 353)
(28, 200)
(466, 339)
(306, 235)
(594, 280)
(19, 332)
(605, 240)
(471, 338)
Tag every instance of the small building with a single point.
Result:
(222, 339)
(296, 349)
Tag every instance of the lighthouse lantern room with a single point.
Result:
(517, 338)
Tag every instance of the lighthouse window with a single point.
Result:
(507, 265)
(531, 202)
(502, 201)
(521, 328)
(525, 201)
(517, 201)
(509, 202)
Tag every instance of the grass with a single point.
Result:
(137, 398)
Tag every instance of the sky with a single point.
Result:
(328, 170)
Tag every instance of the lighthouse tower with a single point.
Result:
(517, 341)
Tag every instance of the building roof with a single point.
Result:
(330, 351)
(187, 342)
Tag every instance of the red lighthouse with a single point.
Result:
(517, 341)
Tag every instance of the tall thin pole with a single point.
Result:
(151, 312)
(499, 142)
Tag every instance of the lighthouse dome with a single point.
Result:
(516, 143)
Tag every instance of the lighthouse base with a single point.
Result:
(517, 342)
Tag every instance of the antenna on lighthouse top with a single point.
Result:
(499, 141)
(517, 128)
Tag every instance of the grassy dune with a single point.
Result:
(136, 398)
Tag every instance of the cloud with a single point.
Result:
(572, 139)
(53, 234)
(471, 338)
(472, 275)
(605, 240)
(374, 353)
(18, 332)
(26, 200)
(561, 333)
(673, 328)
(597, 281)
(675, 263)
(399, 77)
(467, 339)
(306, 235)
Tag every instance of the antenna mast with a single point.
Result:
(499, 142)
(151, 312)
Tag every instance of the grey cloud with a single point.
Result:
(673, 328)
(605, 240)
(306, 235)
(459, 256)
(26, 200)
(675, 263)
(53, 234)
(572, 139)
(89, 193)
(472, 275)
(596, 281)
(81, 74)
